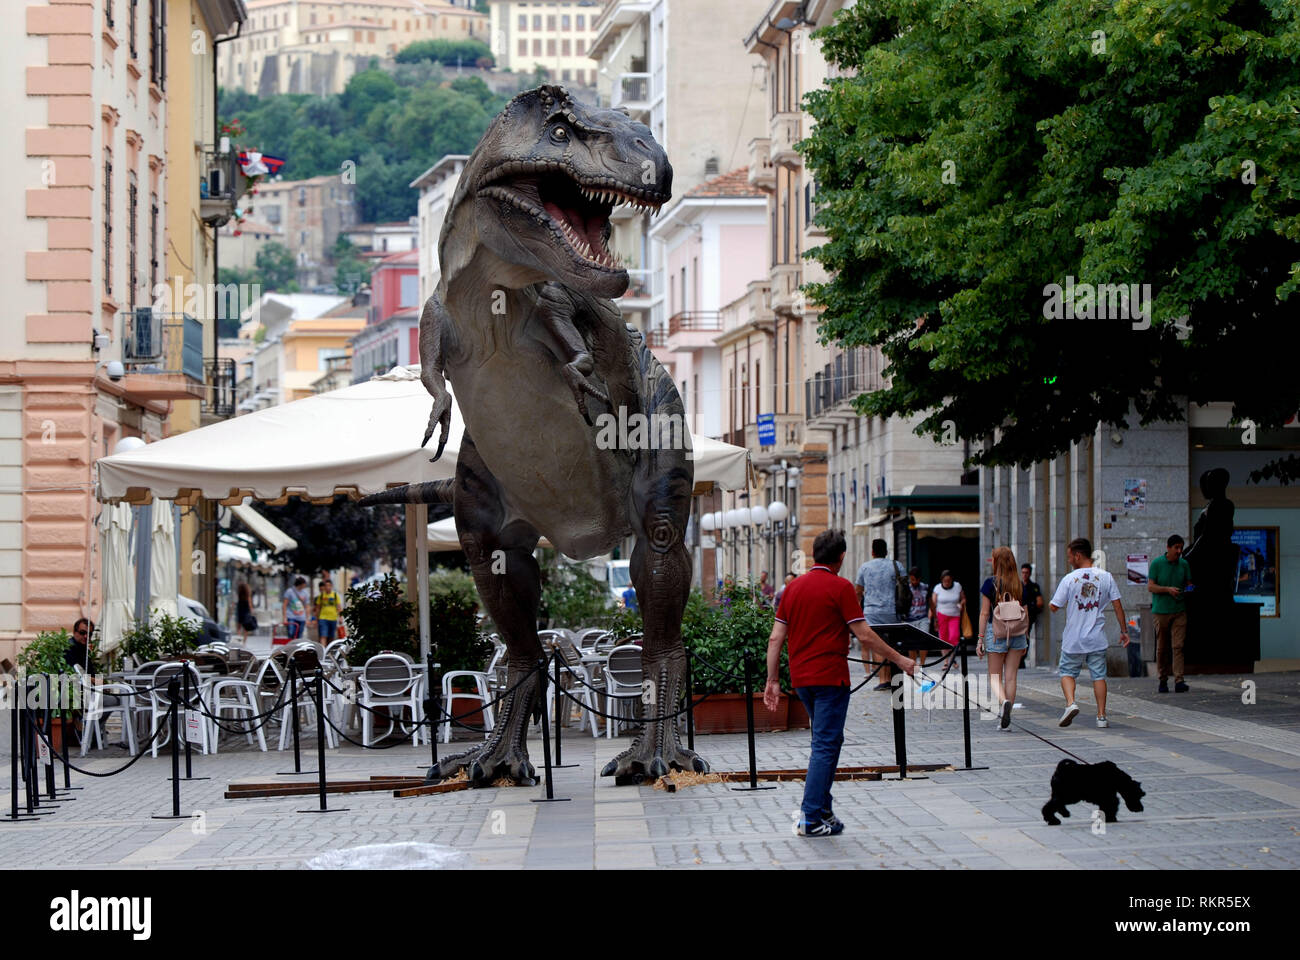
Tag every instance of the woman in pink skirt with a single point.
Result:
(947, 602)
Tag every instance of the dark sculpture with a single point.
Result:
(523, 325)
(1212, 554)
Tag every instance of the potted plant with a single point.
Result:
(47, 655)
(458, 644)
(378, 619)
(725, 635)
(160, 636)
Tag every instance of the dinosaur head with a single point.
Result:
(546, 177)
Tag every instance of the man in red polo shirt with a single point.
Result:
(816, 614)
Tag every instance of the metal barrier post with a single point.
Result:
(174, 695)
(559, 764)
(320, 744)
(546, 739)
(749, 729)
(14, 722)
(293, 708)
(965, 704)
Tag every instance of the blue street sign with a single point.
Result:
(767, 429)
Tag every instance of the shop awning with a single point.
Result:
(946, 523)
(875, 520)
(264, 529)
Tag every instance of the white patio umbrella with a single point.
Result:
(116, 575)
(443, 537)
(163, 575)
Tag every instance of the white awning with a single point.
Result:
(875, 520)
(950, 523)
(264, 529)
(357, 440)
(443, 536)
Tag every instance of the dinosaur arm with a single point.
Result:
(432, 325)
(556, 310)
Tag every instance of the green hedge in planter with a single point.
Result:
(160, 636)
(724, 634)
(378, 617)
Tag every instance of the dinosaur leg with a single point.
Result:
(661, 573)
(500, 554)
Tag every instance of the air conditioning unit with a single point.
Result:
(145, 342)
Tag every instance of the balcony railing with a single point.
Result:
(786, 296)
(786, 132)
(163, 343)
(656, 339)
(219, 397)
(642, 285)
(632, 89)
(761, 172)
(849, 373)
(690, 321)
(219, 188)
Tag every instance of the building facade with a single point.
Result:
(105, 184)
(317, 46)
(554, 36)
(311, 214)
(437, 186)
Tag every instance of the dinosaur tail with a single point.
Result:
(435, 491)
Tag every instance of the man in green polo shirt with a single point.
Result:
(1166, 580)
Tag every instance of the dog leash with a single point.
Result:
(1012, 722)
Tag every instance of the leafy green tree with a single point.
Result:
(340, 534)
(275, 269)
(365, 91)
(449, 52)
(477, 88)
(969, 156)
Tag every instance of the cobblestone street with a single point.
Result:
(1222, 780)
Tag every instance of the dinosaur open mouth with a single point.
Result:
(577, 212)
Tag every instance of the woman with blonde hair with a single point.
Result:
(1004, 630)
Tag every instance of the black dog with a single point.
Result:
(1099, 783)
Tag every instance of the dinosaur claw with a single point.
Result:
(657, 768)
(608, 769)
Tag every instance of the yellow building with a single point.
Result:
(191, 221)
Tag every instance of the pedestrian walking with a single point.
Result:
(948, 604)
(1031, 594)
(876, 586)
(789, 579)
(244, 610)
(765, 588)
(294, 607)
(817, 613)
(1004, 630)
(1084, 593)
(1167, 580)
(326, 610)
(919, 614)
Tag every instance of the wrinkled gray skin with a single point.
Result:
(523, 326)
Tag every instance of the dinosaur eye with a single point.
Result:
(559, 134)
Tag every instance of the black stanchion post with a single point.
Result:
(63, 755)
(900, 725)
(965, 704)
(559, 764)
(320, 745)
(14, 722)
(546, 739)
(690, 704)
(30, 784)
(749, 729)
(174, 695)
(432, 706)
(185, 680)
(48, 731)
(293, 705)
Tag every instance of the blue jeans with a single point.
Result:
(296, 627)
(827, 708)
(327, 630)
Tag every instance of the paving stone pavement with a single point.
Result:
(1222, 780)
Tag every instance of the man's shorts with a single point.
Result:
(1095, 661)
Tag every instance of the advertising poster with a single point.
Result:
(1257, 573)
(1135, 494)
(1139, 564)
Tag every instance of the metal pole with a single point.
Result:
(15, 723)
(173, 694)
(48, 724)
(546, 738)
(293, 703)
(900, 730)
(558, 752)
(965, 699)
(185, 682)
(749, 725)
(320, 734)
(690, 704)
(432, 706)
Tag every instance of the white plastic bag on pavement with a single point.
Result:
(391, 856)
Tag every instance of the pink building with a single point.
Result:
(714, 246)
(392, 335)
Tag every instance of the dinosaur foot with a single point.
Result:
(486, 764)
(646, 761)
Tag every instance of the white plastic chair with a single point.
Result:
(622, 684)
(239, 698)
(482, 695)
(306, 705)
(101, 701)
(578, 683)
(160, 703)
(389, 680)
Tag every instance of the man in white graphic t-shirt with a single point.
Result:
(1084, 593)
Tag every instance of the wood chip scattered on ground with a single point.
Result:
(686, 778)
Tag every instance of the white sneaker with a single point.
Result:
(1071, 712)
(1102, 723)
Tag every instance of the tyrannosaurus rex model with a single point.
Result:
(523, 326)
